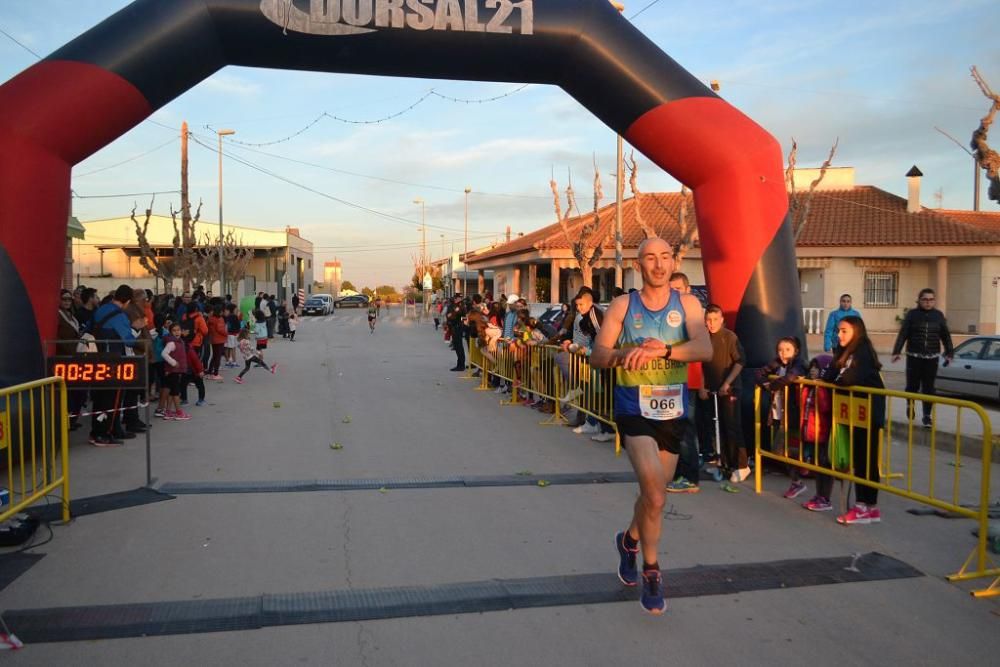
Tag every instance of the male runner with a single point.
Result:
(649, 336)
(372, 315)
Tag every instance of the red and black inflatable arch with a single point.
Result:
(83, 96)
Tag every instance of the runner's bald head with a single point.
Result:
(653, 245)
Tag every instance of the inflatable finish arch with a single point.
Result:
(89, 92)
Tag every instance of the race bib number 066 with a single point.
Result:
(661, 402)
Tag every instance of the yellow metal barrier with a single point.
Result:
(851, 416)
(549, 373)
(34, 443)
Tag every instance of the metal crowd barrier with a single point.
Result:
(549, 373)
(34, 443)
(928, 482)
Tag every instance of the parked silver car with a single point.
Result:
(975, 370)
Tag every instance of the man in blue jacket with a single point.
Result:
(830, 335)
(110, 323)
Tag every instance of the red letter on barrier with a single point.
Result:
(843, 411)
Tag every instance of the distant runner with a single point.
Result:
(649, 336)
(372, 315)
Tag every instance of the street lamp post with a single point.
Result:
(222, 274)
(423, 230)
(465, 257)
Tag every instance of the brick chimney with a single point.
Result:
(913, 190)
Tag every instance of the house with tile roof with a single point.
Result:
(877, 246)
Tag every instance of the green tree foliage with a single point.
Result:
(347, 284)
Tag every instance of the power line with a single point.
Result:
(124, 195)
(131, 159)
(640, 12)
(381, 214)
(393, 181)
(13, 39)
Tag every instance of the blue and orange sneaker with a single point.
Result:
(627, 572)
(652, 599)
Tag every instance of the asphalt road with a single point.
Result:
(395, 410)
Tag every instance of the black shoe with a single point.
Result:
(457, 368)
(135, 428)
(125, 435)
(927, 422)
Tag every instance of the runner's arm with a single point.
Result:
(605, 355)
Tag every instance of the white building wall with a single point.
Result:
(964, 290)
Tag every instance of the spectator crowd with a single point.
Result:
(797, 417)
(185, 339)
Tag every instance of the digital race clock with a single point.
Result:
(99, 371)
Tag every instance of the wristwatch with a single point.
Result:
(670, 351)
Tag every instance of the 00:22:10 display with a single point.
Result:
(95, 372)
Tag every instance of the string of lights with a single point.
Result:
(374, 121)
(123, 195)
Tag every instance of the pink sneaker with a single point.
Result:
(860, 514)
(818, 504)
(181, 416)
(795, 490)
(169, 415)
(238, 380)
(274, 368)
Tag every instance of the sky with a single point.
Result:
(880, 76)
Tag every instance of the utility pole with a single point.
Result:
(185, 205)
(619, 195)
(975, 169)
(465, 258)
(222, 271)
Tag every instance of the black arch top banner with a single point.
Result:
(92, 90)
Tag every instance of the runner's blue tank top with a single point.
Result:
(660, 377)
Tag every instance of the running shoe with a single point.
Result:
(274, 368)
(200, 402)
(927, 422)
(571, 395)
(181, 416)
(860, 514)
(652, 599)
(169, 415)
(795, 490)
(238, 380)
(603, 437)
(104, 441)
(682, 485)
(627, 572)
(159, 412)
(740, 475)
(586, 428)
(818, 504)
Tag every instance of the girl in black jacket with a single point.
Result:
(856, 365)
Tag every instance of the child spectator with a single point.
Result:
(176, 358)
(293, 324)
(217, 333)
(855, 364)
(251, 355)
(721, 376)
(195, 373)
(783, 428)
(158, 335)
(232, 330)
(260, 331)
(814, 425)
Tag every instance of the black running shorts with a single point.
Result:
(667, 434)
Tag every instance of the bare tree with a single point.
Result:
(987, 158)
(588, 246)
(799, 206)
(164, 268)
(633, 182)
(184, 254)
(688, 230)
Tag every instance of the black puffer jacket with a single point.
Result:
(924, 332)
